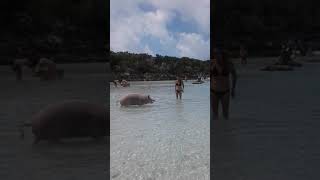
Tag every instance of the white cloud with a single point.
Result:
(193, 45)
(198, 11)
(129, 25)
(155, 24)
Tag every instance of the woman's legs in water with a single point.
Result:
(178, 94)
(225, 105)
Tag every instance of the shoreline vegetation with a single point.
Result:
(145, 67)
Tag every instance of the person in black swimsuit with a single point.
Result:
(179, 87)
(220, 69)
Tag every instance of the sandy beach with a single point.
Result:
(273, 129)
(76, 159)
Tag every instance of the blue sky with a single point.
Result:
(166, 27)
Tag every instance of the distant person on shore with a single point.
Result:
(179, 87)
(124, 83)
(115, 83)
(243, 54)
(220, 71)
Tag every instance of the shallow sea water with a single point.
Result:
(168, 139)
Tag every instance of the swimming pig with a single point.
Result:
(68, 120)
(135, 99)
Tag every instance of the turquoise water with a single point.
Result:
(168, 139)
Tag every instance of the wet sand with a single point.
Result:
(273, 131)
(76, 159)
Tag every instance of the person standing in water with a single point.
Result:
(220, 71)
(179, 87)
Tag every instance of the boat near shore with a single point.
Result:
(198, 82)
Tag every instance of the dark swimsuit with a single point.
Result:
(214, 73)
(179, 84)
